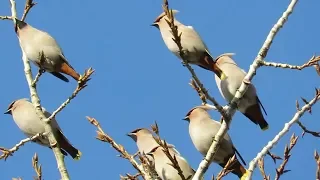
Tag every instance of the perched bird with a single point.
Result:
(25, 116)
(249, 104)
(196, 51)
(145, 140)
(164, 168)
(202, 130)
(36, 44)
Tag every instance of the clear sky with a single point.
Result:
(138, 81)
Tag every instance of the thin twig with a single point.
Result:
(177, 40)
(9, 152)
(199, 87)
(263, 172)
(19, 178)
(36, 103)
(102, 136)
(82, 83)
(130, 177)
(281, 170)
(29, 4)
(37, 167)
(261, 55)
(36, 79)
(305, 130)
(6, 17)
(171, 157)
(317, 158)
(311, 62)
(285, 129)
(274, 157)
(226, 169)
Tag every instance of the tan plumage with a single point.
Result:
(196, 51)
(249, 104)
(26, 118)
(202, 130)
(145, 140)
(34, 42)
(163, 167)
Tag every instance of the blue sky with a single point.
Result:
(138, 81)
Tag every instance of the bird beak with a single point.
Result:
(186, 118)
(8, 111)
(155, 25)
(130, 134)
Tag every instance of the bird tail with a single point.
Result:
(67, 147)
(255, 115)
(207, 62)
(67, 69)
(60, 76)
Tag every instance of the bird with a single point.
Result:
(202, 130)
(26, 118)
(145, 140)
(196, 51)
(164, 168)
(43, 50)
(249, 104)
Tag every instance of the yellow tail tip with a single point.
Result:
(78, 156)
(244, 176)
(223, 76)
(265, 128)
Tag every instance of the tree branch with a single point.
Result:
(311, 62)
(305, 130)
(37, 167)
(285, 129)
(82, 83)
(9, 152)
(230, 110)
(36, 102)
(177, 40)
(102, 136)
(262, 171)
(166, 151)
(317, 158)
(281, 170)
(226, 169)
(29, 4)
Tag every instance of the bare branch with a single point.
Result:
(37, 167)
(173, 159)
(36, 79)
(281, 170)
(285, 129)
(27, 7)
(226, 169)
(261, 55)
(316, 157)
(102, 136)
(19, 178)
(130, 177)
(311, 62)
(177, 40)
(199, 88)
(274, 157)
(82, 83)
(36, 103)
(305, 130)
(9, 152)
(261, 167)
(6, 17)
